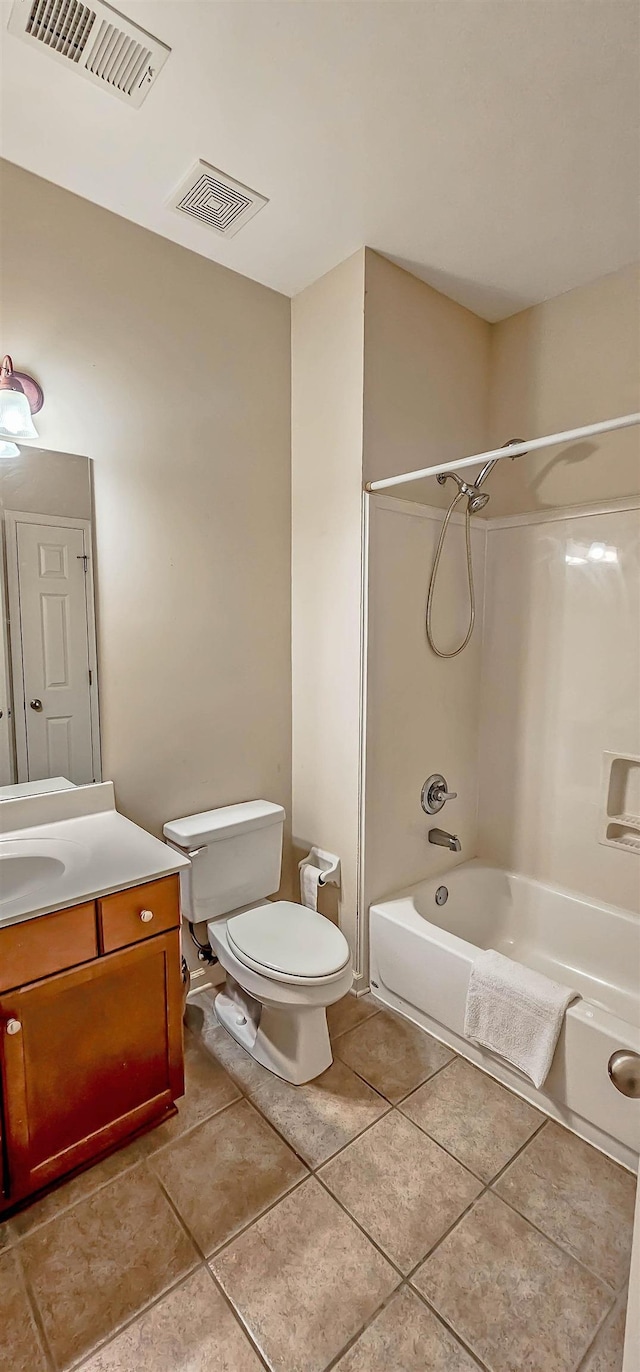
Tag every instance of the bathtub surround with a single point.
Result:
(560, 685)
(453, 1249)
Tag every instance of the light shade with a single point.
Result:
(15, 416)
(8, 449)
(15, 406)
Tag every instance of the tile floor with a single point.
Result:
(404, 1213)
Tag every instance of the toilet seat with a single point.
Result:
(289, 943)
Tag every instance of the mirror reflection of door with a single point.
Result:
(50, 676)
(47, 569)
(6, 722)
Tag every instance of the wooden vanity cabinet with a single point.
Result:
(90, 1055)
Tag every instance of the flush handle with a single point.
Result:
(13, 1026)
(146, 915)
(36, 704)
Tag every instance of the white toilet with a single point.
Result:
(284, 964)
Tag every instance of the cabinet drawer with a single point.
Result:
(143, 911)
(39, 947)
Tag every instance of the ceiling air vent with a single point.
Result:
(98, 41)
(216, 200)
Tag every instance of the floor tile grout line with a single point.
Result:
(374, 1242)
(613, 1291)
(401, 1099)
(42, 1224)
(341, 1032)
(450, 1329)
(313, 1167)
(237, 1317)
(455, 1157)
(333, 1363)
(455, 1057)
(180, 1218)
(486, 1187)
(239, 1233)
(36, 1314)
(548, 1120)
(605, 1320)
(132, 1319)
(162, 1147)
(101, 1186)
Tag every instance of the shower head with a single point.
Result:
(477, 499)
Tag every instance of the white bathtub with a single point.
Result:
(421, 957)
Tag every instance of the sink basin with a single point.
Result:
(27, 864)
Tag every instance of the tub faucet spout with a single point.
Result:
(445, 840)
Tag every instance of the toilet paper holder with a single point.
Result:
(328, 863)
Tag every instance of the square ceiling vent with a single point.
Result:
(96, 40)
(218, 201)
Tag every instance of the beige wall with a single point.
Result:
(426, 379)
(560, 685)
(327, 371)
(567, 362)
(172, 374)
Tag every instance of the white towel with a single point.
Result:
(515, 1012)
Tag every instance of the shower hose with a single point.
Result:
(434, 572)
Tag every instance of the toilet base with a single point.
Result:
(291, 1041)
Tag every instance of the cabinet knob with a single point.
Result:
(13, 1026)
(146, 915)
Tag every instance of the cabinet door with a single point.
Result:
(88, 1057)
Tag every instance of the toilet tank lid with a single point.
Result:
(211, 825)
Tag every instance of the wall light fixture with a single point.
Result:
(20, 397)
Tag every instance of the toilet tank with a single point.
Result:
(238, 861)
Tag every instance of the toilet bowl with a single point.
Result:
(284, 963)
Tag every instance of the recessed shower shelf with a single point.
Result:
(621, 809)
(623, 837)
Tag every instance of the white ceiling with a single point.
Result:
(491, 146)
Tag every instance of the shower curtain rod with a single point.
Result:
(625, 421)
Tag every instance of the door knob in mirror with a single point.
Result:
(35, 704)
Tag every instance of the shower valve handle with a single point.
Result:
(435, 793)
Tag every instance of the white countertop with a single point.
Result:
(92, 850)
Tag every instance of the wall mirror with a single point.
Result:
(49, 720)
